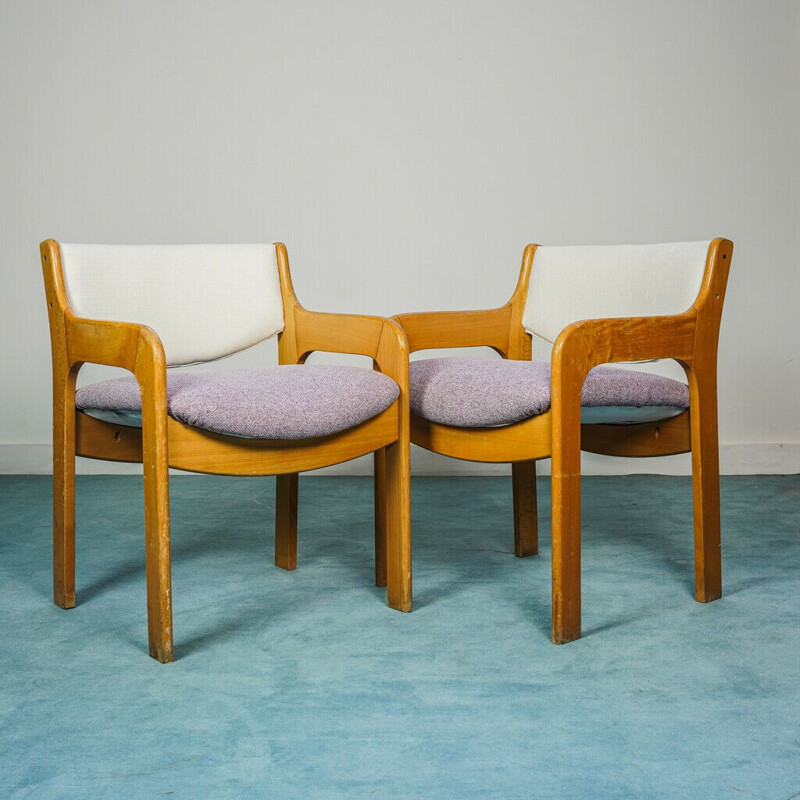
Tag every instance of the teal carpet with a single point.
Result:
(305, 685)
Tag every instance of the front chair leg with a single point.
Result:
(64, 489)
(157, 543)
(705, 486)
(380, 516)
(286, 487)
(566, 556)
(566, 520)
(398, 526)
(526, 532)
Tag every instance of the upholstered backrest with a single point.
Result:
(205, 301)
(568, 284)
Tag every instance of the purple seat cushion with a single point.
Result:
(473, 393)
(282, 402)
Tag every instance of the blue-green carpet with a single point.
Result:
(306, 685)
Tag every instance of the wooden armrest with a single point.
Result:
(587, 343)
(580, 347)
(114, 344)
(138, 349)
(435, 329)
(377, 337)
(583, 345)
(498, 328)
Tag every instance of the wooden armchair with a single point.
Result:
(147, 308)
(597, 305)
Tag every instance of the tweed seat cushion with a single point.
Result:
(281, 402)
(473, 393)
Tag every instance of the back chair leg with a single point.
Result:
(286, 487)
(526, 531)
(380, 516)
(705, 486)
(398, 525)
(64, 490)
(566, 515)
(157, 544)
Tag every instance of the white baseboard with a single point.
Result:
(735, 459)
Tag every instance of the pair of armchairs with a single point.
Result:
(147, 308)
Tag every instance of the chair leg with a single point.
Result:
(286, 487)
(398, 525)
(705, 486)
(566, 515)
(526, 532)
(380, 516)
(64, 490)
(157, 546)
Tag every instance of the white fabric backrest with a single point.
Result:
(205, 301)
(593, 282)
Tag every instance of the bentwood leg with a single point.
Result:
(705, 485)
(398, 525)
(566, 556)
(380, 517)
(156, 524)
(64, 488)
(286, 487)
(566, 508)
(526, 532)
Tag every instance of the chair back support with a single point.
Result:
(204, 301)
(569, 284)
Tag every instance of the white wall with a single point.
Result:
(406, 151)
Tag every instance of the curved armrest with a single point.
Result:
(381, 339)
(585, 344)
(498, 328)
(578, 348)
(443, 329)
(115, 344)
(134, 347)
(305, 331)
(690, 337)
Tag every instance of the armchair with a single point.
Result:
(597, 305)
(147, 308)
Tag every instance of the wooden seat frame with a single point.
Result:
(690, 338)
(164, 442)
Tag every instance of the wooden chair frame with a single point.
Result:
(690, 338)
(164, 442)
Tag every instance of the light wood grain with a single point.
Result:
(498, 328)
(196, 450)
(286, 491)
(392, 358)
(705, 484)
(701, 372)
(646, 439)
(163, 442)
(106, 441)
(690, 338)
(526, 525)
(151, 373)
(523, 441)
(64, 487)
(379, 482)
